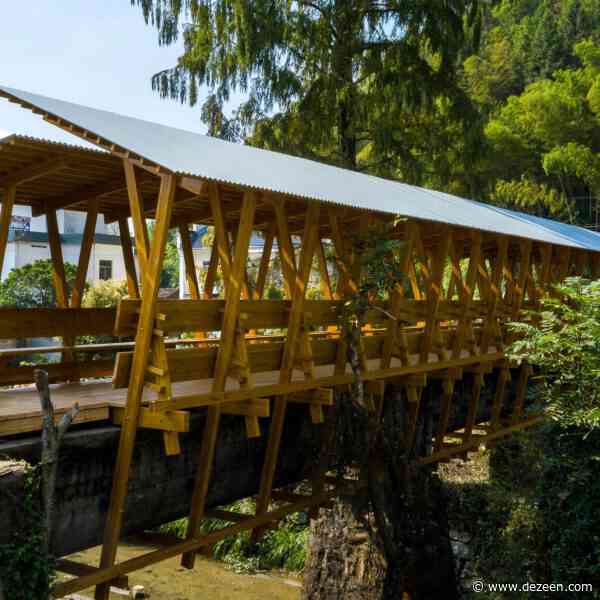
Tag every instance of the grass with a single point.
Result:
(281, 548)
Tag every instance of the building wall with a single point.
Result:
(20, 253)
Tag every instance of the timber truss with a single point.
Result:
(248, 356)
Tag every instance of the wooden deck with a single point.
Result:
(20, 407)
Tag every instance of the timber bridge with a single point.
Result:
(211, 399)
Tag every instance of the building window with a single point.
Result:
(105, 269)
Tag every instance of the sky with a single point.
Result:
(94, 52)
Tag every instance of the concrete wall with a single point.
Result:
(160, 487)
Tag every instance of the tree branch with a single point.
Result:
(52, 436)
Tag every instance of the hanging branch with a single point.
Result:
(52, 436)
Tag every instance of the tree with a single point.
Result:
(32, 285)
(322, 78)
(549, 137)
(524, 41)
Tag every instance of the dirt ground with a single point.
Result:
(209, 580)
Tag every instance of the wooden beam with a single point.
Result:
(236, 271)
(221, 237)
(188, 546)
(84, 194)
(84, 254)
(190, 265)
(211, 272)
(434, 293)
(58, 266)
(128, 259)
(5, 220)
(265, 261)
(137, 216)
(32, 172)
(143, 339)
(309, 241)
(285, 247)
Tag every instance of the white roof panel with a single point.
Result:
(198, 155)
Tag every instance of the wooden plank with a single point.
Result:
(150, 289)
(57, 372)
(27, 424)
(5, 220)
(176, 420)
(128, 259)
(87, 242)
(24, 323)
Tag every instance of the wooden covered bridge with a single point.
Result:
(471, 267)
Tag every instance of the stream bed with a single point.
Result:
(210, 579)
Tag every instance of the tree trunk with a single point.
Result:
(52, 436)
(342, 562)
(391, 540)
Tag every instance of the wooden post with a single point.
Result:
(5, 219)
(190, 265)
(265, 261)
(393, 330)
(136, 207)
(309, 241)
(286, 248)
(128, 259)
(84, 254)
(150, 287)
(58, 265)
(237, 271)
(211, 272)
(61, 288)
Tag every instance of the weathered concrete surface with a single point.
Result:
(160, 487)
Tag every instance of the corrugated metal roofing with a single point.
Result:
(197, 155)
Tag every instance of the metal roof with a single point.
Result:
(196, 155)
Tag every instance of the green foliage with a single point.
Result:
(104, 294)
(169, 276)
(26, 572)
(527, 40)
(281, 548)
(536, 518)
(31, 286)
(550, 135)
(565, 346)
(347, 82)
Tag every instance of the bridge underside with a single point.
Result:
(161, 486)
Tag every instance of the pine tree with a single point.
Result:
(326, 79)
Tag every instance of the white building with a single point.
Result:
(28, 242)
